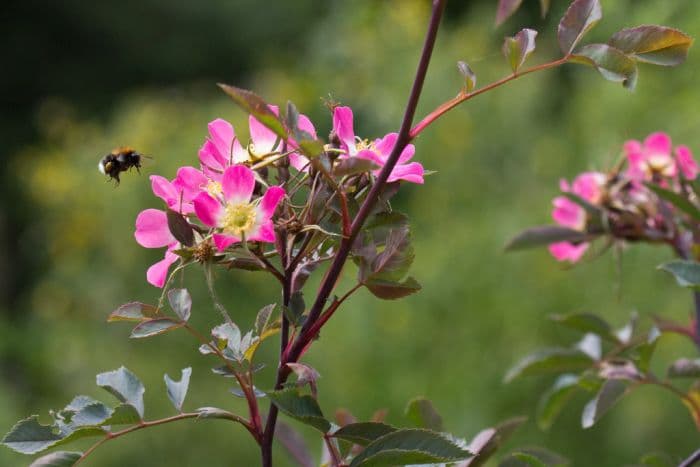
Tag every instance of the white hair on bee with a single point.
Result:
(101, 167)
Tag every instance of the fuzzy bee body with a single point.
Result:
(119, 160)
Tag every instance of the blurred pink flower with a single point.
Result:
(566, 213)
(377, 151)
(152, 232)
(233, 212)
(656, 156)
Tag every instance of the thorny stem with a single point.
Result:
(116, 434)
(331, 277)
(692, 460)
(465, 96)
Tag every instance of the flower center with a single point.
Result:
(239, 218)
(214, 188)
(364, 144)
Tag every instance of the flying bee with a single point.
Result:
(120, 160)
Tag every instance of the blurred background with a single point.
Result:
(83, 77)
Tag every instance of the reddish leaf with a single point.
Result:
(658, 45)
(581, 16)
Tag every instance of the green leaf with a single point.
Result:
(257, 107)
(388, 290)
(180, 228)
(468, 75)
(213, 412)
(262, 320)
(93, 414)
(57, 459)
(684, 368)
(676, 200)
(488, 441)
(353, 166)
(581, 16)
(180, 302)
(522, 459)
(134, 311)
(553, 400)
(611, 392)
(153, 327)
(423, 414)
(123, 414)
(687, 273)
(123, 385)
(550, 361)
(645, 351)
(534, 457)
(505, 10)
(587, 322)
(301, 407)
(28, 436)
(177, 390)
(657, 45)
(410, 446)
(544, 235)
(610, 62)
(516, 49)
(363, 433)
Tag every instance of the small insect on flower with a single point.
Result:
(119, 160)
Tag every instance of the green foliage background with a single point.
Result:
(71, 258)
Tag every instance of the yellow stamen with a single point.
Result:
(239, 219)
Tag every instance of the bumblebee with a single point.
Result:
(119, 160)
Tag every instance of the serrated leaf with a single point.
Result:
(263, 318)
(353, 166)
(657, 45)
(125, 386)
(676, 200)
(544, 235)
(423, 414)
(554, 399)
(180, 228)
(363, 433)
(257, 107)
(123, 414)
(153, 327)
(518, 48)
(610, 393)
(28, 436)
(684, 368)
(410, 446)
(549, 361)
(587, 322)
(388, 290)
(177, 390)
(686, 272)
(180, 302)
(301, 407)
(134, 311)
(57, 459)
(610, 62)
(581, 16)
(93, 414)
(468, 75)
(505, 10)
(80, 402)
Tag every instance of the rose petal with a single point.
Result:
(223, 241)
(264, 233)
(209, 157)
(152, 229)
(568, 214)
(270, 200)
(686, 162)
(564, 251)
(343, 127)
(658, 143)
(263, 138)
(190, 182)
(208, 209)
(157, 274)
(238, 184)
(412, 172)
(163, 189)
(222, 135)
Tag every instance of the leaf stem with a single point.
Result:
(465, 96)
(692, 460)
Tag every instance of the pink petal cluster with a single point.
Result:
(234, 213)
(377, 151)
(152, 232)
(566, 213)
(656, 156)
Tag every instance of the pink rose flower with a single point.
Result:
(566, 213)
(236, 217)
(377, 151)
(152, 232)
(656, 156)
